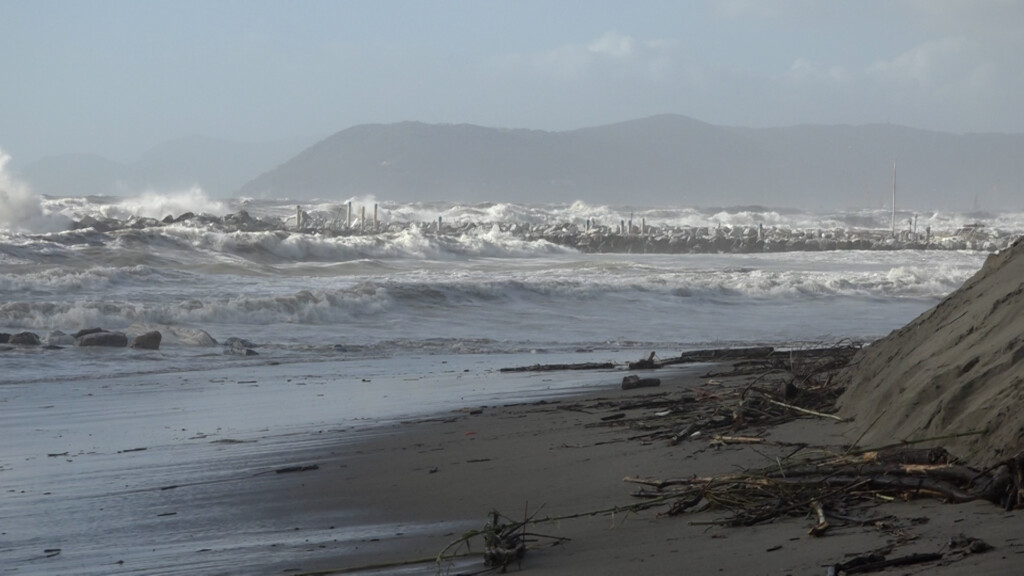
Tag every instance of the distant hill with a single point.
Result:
(219, 167)
(661, 160)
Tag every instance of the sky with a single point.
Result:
(116, 78)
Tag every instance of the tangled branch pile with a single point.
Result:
(838, 488)
(789, 384)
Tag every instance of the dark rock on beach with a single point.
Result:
(147, 341)
(4, 338)
(25, 339)
(109, 339)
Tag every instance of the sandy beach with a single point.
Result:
(435, 479)
(386, 499)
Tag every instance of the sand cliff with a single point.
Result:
(955, 369)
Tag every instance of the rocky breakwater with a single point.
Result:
(623, 238)
(85, 338)
(101, 338)
(743, 240)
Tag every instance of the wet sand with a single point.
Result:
(327, 498)
(435, 479)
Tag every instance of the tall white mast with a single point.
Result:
(893, 197)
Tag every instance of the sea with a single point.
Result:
(290, 295)
(272, 336)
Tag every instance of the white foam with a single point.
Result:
(20, 210)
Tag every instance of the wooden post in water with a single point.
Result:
(438, 224)
(348, 216)
(362, 218)
(375, 217)
(298, 217)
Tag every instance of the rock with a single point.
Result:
(58, 338)
(234, 342)
(110, 339)
(4, 337)
(147, 341)
(85, 331)
(25, 339)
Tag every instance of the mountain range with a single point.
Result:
(660, 160)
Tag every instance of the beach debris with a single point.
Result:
(706, 355)
(633, 381)
(560, 367)
(505, 542)
(968, 545)
(874, 562)
(802, 378)
(299, 468)
(839, 483)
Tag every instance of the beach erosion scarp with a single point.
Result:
(954, 374)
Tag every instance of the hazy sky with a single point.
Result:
(118, 77)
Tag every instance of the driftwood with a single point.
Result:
(876, 562)
(710, 355)
(505, 542)
(834, 483)
(632, 382)
(561, 367)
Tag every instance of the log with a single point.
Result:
(861, 565)
(559, 367)
(717, 355)
(631, 382)
(718, 438)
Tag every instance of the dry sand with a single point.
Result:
(433, 480)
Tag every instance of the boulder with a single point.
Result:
(147, 341)
(4, 337)
(25, 339)
(110, 339)
(85, 331)
(235, 342)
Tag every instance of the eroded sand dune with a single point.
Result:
(957, 368)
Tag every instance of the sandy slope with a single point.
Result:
(955, 369)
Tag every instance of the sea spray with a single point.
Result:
(20, 210)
